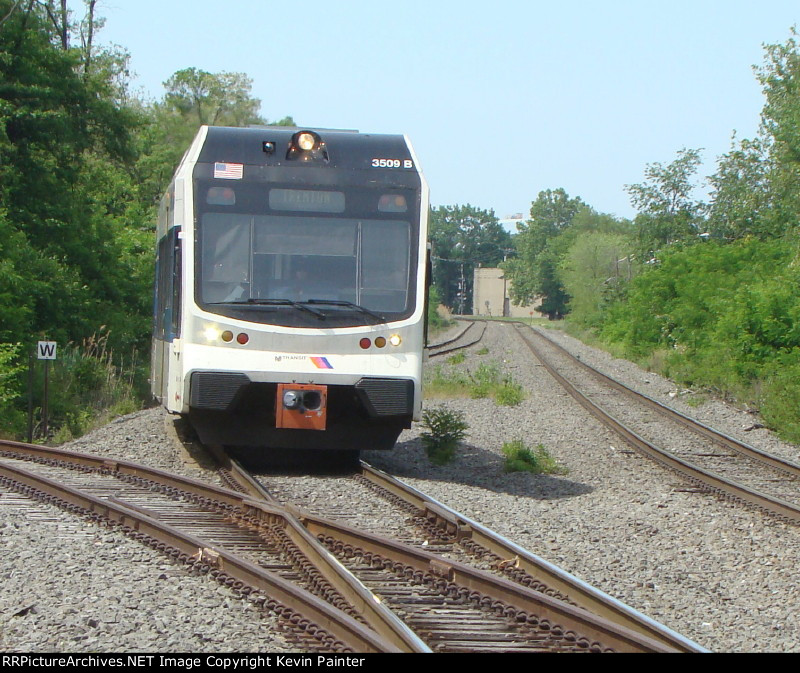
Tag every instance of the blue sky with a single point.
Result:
(501, 98)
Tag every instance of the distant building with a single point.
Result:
(491, 292)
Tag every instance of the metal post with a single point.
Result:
(30, 398)
(44, 403)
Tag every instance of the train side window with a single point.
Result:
(168, 291)
(176, 282)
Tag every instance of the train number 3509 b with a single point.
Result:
(392, 163)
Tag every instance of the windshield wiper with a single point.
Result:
(259, 301)
(348, 304)
(287, 302)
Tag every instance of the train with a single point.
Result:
(291, 286)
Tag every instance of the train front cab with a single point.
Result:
(297, 382)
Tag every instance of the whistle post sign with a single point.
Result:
(46, 350)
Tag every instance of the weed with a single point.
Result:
(482, 351)
(520, 458)
(509, 394)
(447, 384)
(446, 428)
(457, 359)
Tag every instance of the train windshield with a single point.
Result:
(348, 263)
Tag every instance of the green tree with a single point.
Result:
(68, 201)
(594, 269)
(667, 210)
(462, 238)
(741, 201)
(222, 99)
(534, 269)
(192, 98)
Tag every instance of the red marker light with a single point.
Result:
(242, 338)
(365, 343)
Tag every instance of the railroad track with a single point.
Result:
(415, 521)
(172, 513)
(708, 459)
(464, 339)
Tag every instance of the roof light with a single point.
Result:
(306, 141)
(307, 146)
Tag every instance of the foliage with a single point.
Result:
(727, 317)
(509, 393)
(667, 212)
(435, 320)
(447, 383)
(594, 271)
(462, 238)
(82, 165)
(9, 370)
(533, 271)
(485, 381)
(780, 397)
(445, 429)
(543, 244)
(87, 388)
(520, 458)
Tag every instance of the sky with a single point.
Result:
(501, 99)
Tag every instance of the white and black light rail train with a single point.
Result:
(291, 287)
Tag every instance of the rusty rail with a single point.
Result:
(782, 509)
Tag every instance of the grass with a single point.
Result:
(520, 458)
(485, 381)
(457, 359)
(88, 388)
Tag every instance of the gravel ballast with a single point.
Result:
(719, 573)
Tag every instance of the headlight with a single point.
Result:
(306, 141)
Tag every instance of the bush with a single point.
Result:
(781, 397)
(87, 389)
(446, 428)
(9, 371)
(720, 317)
(519, 458)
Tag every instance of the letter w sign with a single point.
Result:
(46, 350)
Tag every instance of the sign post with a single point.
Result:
(45, 350)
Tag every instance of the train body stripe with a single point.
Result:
(321, 363)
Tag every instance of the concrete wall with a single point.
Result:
(490, 296)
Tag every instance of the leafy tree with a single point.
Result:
(72, 234)
(593, 271)
(780, 79)
(741, 201)
(462, 238)
(192, 98)
(534, 270)
(217, 100)
(667, 211)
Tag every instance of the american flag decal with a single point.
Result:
(228, 171)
